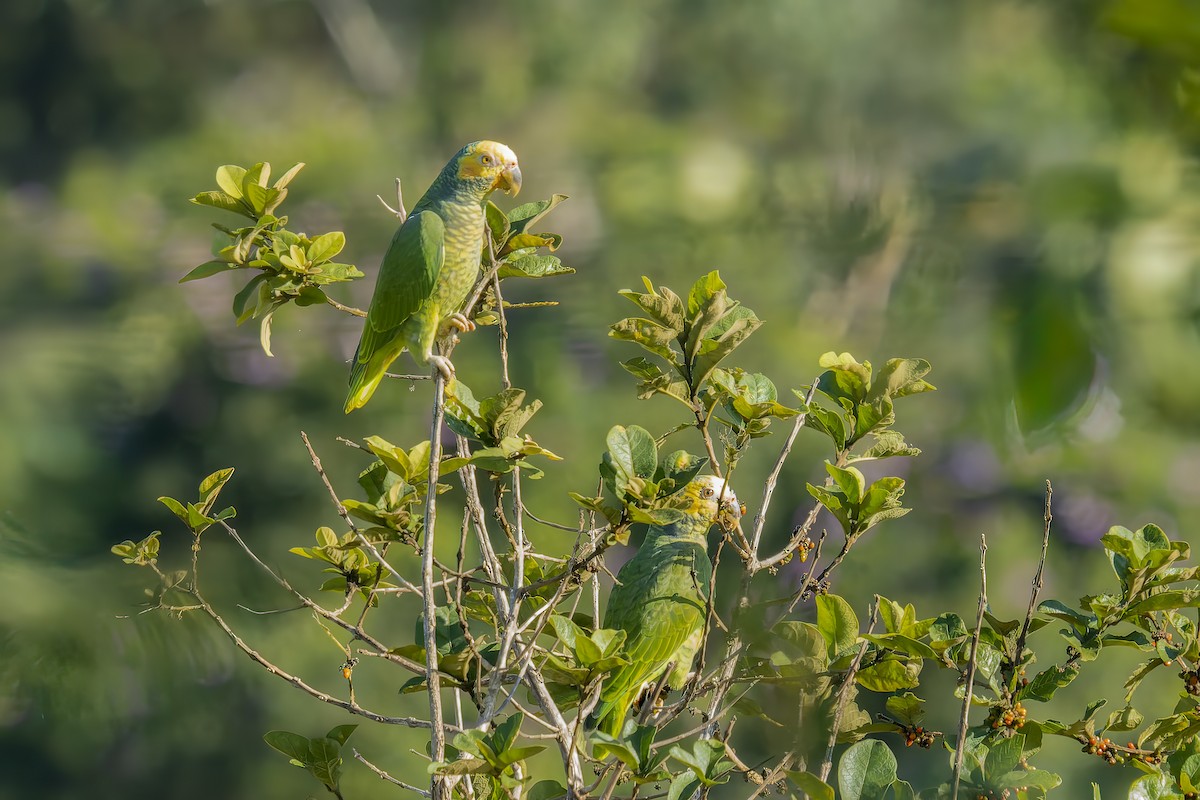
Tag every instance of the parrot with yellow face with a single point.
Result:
(661, 598)
(430, 267)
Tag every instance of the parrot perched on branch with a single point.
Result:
(661, 598)
(430, 267)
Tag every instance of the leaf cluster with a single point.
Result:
(292, 267)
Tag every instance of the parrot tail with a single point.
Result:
(364, 379)
(609, 716)
(362, 386)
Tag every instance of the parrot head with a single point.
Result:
(489, 166)
(710, 498)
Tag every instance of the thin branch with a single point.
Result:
(972, 663)
(1047, 517)
(437, 744)
(387, 777)
(358, 312)
(399, 211)
(337, 503)
(844, 694)
(352, 707)
(320, 610)
(798, 536)
(760, 519)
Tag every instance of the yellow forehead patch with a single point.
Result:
(503, 154)
(497, 155)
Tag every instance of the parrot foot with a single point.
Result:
(443, 366)
(457, 322)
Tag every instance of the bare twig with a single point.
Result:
(358, 312)
(437, 744)
(337, 503)
(399, 211)
(760, 519)
(318, 609)
(844, 694)
(798, 536)
(972, 663)
(388, 777)
(1047, 517)
(351, 706)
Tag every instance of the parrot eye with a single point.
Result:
(486, 160)
(706, 492)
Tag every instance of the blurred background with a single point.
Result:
(1006, 188)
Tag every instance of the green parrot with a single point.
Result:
(430, 267)
(660, 599)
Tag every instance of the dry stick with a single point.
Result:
(1048, 517)
(399, 212)
(960, 748)
(844, 694)
(383, 775)
(352, 707)
(319, 610)
(437, 743)
(358, 312)
(760, 519)
(378, 553)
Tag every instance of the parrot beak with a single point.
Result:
(731, 510)
(510, 179)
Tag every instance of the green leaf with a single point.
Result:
(176, 508)
(341, 733)
(900, 377)
(706, 760)
(523, 216)
(1155, 786)
(326, 246)
(838, 624)
(1164, 601)
(664, 306)
(242, 308)
(1002, 758)
(907, 709)
(325, 761)
(650, 335)
(534, 266)
(224, 202)
(890, 675)
(497, 223)
(633, 450)
(825, 421)
(287, 177)
(721, 342)
(683, 786)
(229, 178)
(1048, 681)
(292, 745)
(211, 486)
(208, 269)
(264, 334)
(849, 480)
(810, 784)
(546, 790)
(703, 291)
(506, 732)
(844, 378)
(866, 770)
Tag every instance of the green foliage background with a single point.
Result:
(1006, 188)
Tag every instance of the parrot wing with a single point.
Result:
(406, 279)
(655, 629)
